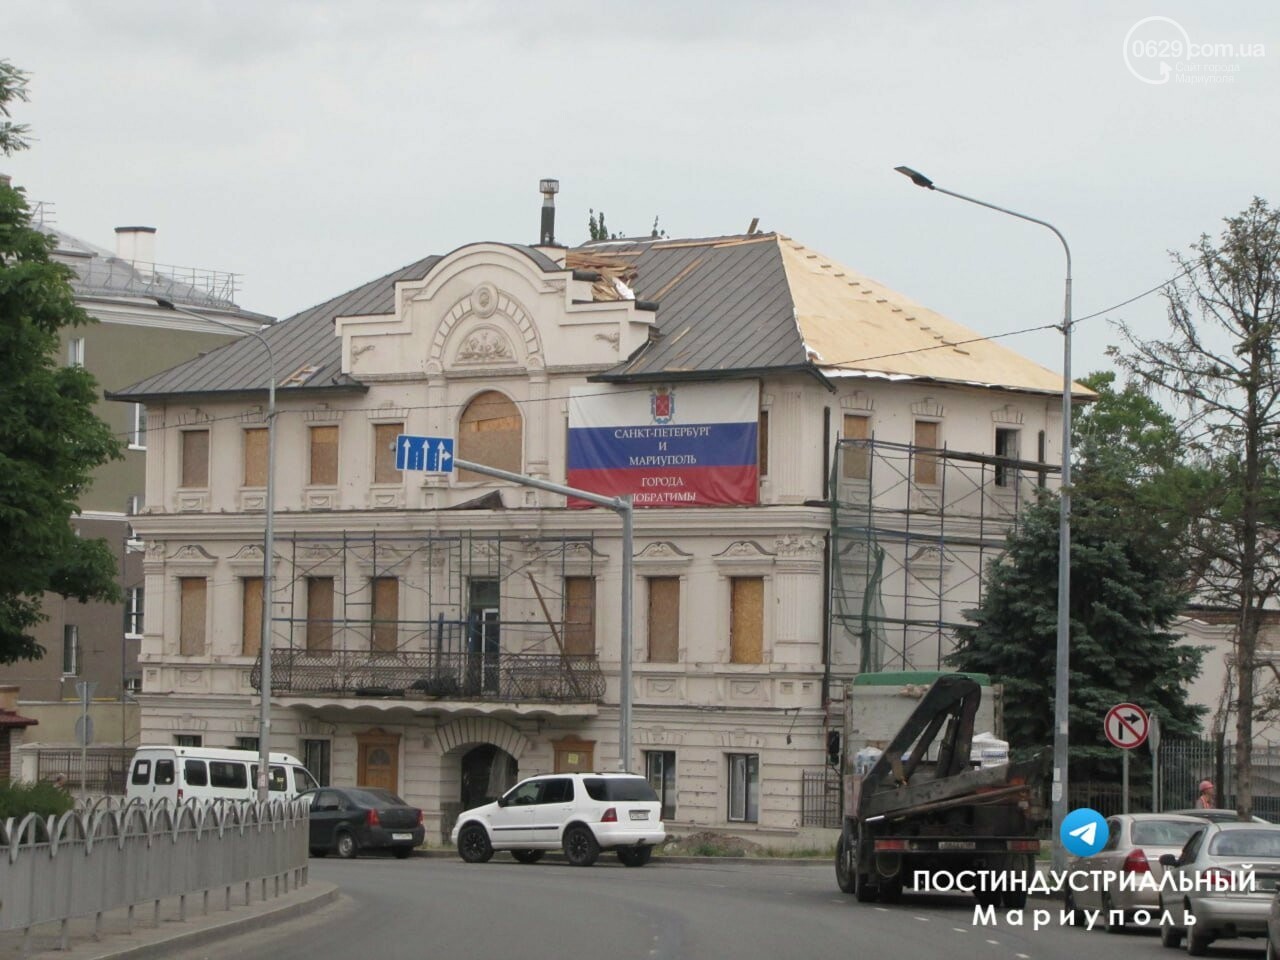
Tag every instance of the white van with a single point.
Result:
(211, 773)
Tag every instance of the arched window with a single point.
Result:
(491, 432)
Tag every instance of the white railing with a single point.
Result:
(111, 854)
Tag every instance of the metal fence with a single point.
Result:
(1184, 763)
(821, 799)
(110, 855)
(105, 768)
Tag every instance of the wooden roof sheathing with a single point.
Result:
(850, 322)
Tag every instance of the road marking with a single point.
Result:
(994, 942)
(959, 929)
(883, 909)
(1023, 956)
(923, 919)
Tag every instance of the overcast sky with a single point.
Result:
(312, 146)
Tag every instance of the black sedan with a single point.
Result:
(346, 820)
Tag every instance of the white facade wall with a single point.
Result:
(487, 318)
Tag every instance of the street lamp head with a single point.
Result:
(915, 176)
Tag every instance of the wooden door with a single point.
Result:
(378, 760)
(574, 755)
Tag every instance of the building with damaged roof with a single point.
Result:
(442, 634)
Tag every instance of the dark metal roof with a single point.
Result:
(304, 340)
(724, 307)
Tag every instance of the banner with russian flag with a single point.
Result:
(671, 445)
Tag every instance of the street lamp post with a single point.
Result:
(1061, 686)
(268, 548)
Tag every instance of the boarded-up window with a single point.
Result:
(251, 616)
(255, 457)
(926, 464)
(857, 458)
(386, 613)
(746, 621)
(195, 458)
(324, 456)
(319, 614)
(763, 453)
(664, 619)
(384, 452)
(191, 615)
(491, 432)
(580, 615)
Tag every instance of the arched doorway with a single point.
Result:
(487, 773)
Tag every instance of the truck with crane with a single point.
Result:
(926, 802)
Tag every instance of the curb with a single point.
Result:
(314, 897)
(673, 859)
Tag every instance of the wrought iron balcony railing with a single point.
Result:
(429, 675)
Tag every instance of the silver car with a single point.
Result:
(1135, 846)
(1228, 852)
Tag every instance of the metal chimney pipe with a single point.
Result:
(549, 190)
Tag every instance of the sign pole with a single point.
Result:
(1124, 781)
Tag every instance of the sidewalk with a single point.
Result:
(171, 934)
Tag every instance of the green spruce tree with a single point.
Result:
(1126, 590)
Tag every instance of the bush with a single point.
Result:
(17, 799)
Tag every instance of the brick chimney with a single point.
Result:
(138, 246)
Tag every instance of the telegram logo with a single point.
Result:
(1084, 832)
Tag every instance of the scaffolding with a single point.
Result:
(480, 615)
(913, 532)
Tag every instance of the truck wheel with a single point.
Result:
(1014, 899)
(863, 891)
(844, 866)
(891, 890)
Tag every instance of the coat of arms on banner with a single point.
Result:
(662, 404)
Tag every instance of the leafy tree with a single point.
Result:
(1125, 594)
(595, 225)
(1219, 363)
(50, 438)
(1129, 451)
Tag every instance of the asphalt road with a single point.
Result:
(417, 908)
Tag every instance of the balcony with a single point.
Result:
(433, 675)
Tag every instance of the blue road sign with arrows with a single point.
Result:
(429, 454)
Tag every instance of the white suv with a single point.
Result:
(581, 813)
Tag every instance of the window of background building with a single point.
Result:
(857, 459)
(250, 616)
(1006, 446)
(660, 768)
(247, 743)
(744, 787)
(580, 615)
(324, 456)
(192, 600)
(188, 740)
(926, 438)
(319, 614)
(75, 352)
(70, 650)
(133, 612)
(664, 619)
(138, 432)
(195, 458)
(255, 456)
(491, 431)
(746, 620)
(386, 614)
(384, 452)
(315, 757)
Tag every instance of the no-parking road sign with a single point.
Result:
(1126, 725)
